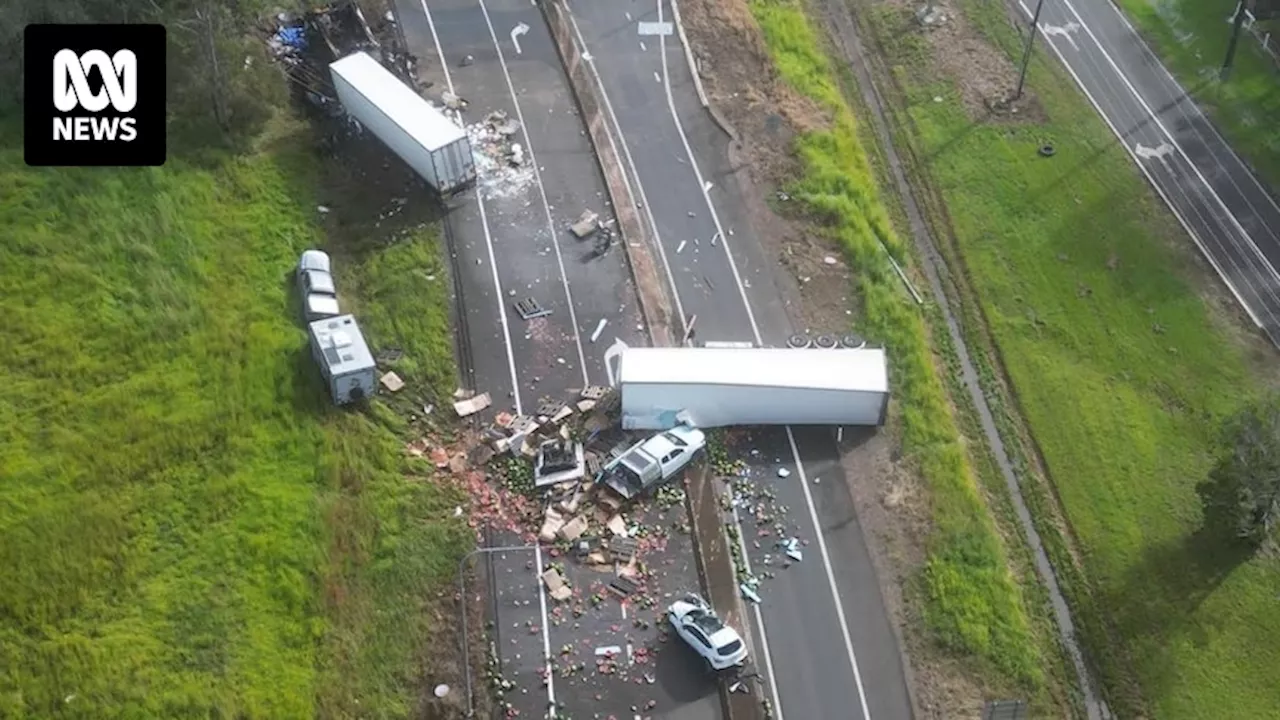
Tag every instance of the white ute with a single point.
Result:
(701, 629)
(651, 462)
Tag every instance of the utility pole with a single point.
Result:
(1026, 53)
(1237, 24)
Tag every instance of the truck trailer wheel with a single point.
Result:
(826, 342)
(799, 340)
(853, 341)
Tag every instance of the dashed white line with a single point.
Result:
(546, 637)
(511, 363)
(488, 238)
(826, 563)
(542, 193)
(755, 329)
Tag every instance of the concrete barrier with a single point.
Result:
(714, 554)
(654, 304)
(711, 543)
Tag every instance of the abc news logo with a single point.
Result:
(95, 95)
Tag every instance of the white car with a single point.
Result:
(313, 260)
(701, 629)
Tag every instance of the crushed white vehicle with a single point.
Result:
(701, 629)
(652, 462)
(316, 286)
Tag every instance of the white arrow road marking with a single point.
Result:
(1065, 31)
(1156, 153)
(516, 32)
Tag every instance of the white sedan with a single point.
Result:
(701, 629)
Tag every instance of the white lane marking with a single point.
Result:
(826, 563)
(1177, 214)
(1064, 31)
(488, 238)
(702, 183)
(1152, 153)
(516, 32)
(1218, 232)
(542, 194)
(626, 180)
(755, 329)
(546, 637)
(1197, 113)
(1173, 140)
(511, 364)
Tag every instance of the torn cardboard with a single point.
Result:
(473, 405)
(557, 588)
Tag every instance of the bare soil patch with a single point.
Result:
(983, 74)
(742, 83)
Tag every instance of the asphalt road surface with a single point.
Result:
(510, 235)
(652, 671)
(1231, 216)
(822, 636)
(511, 241)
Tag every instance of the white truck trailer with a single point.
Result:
(718, 387)
(421, 135)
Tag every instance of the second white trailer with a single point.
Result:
(719, 387)
(421, 135)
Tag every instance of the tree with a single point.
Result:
(1241, 496)
(221, 87)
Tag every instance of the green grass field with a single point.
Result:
(970, 601)
(187, 528)
(1121, 369)
(1191, 37)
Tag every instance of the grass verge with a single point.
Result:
(186, 526)
(1191, 38)
(1118, 365)
(970, 601)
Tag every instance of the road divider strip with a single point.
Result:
(654, 304)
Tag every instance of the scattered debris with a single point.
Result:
(500, 163)
(791, 547)
(623, 587)
(573, 529)
(452, 101)
(558, 461)
(557, 588)
(529, 308)
(587, 224)
(392, 382)
(784, 473)
(599, 329)
(551, 525)
(617, 526)
(473, 405)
